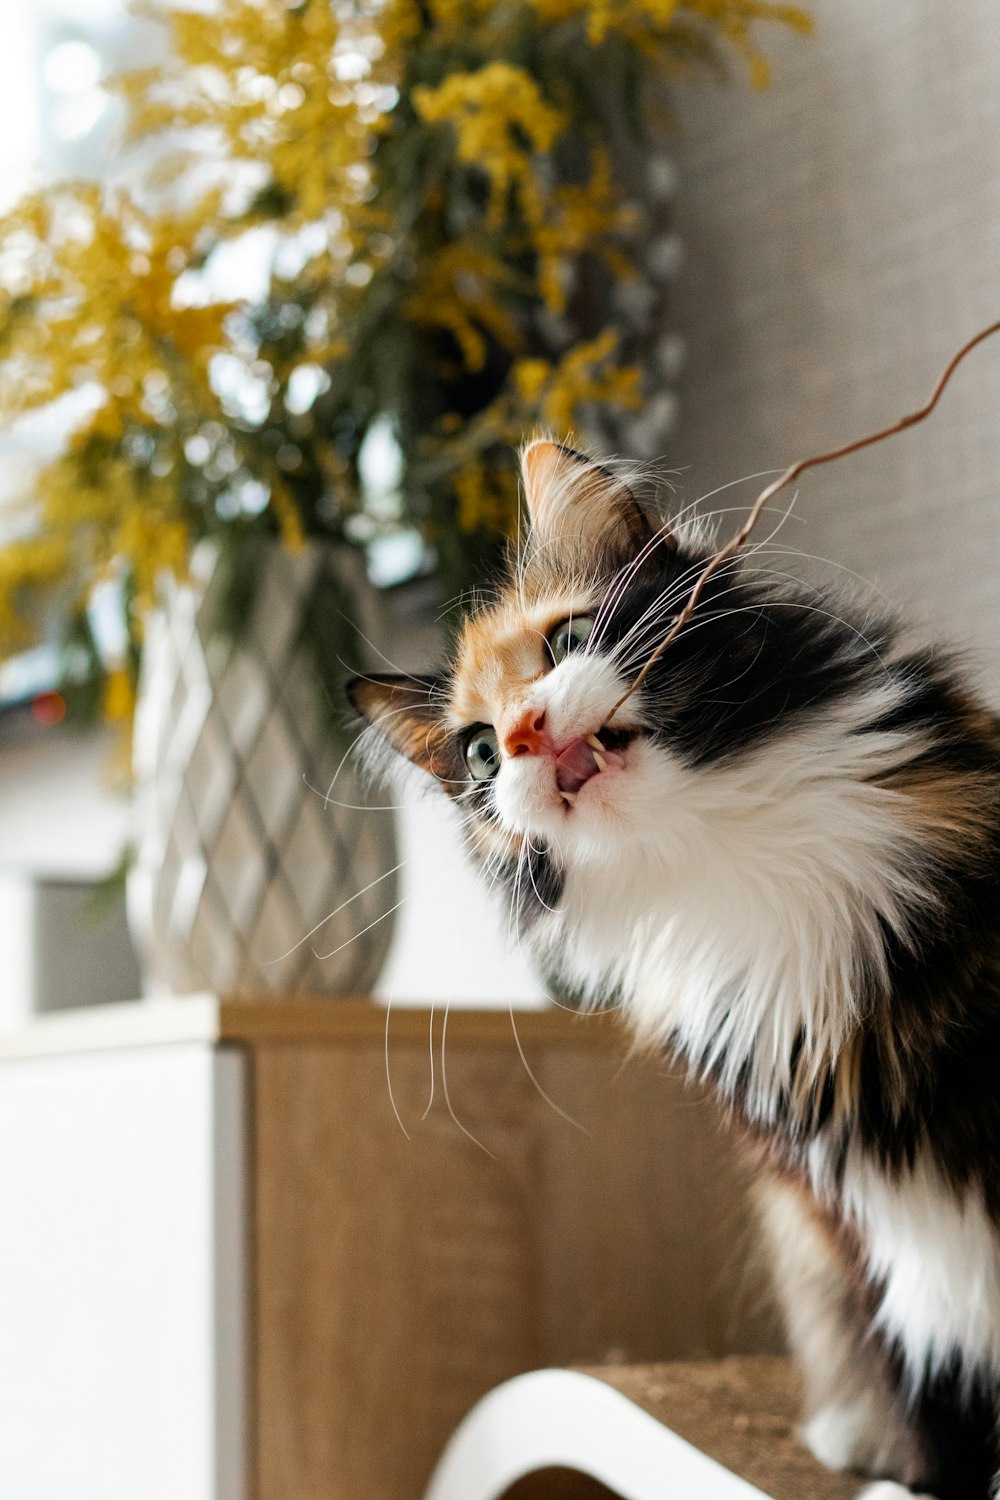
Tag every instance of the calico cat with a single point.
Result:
(782, 854)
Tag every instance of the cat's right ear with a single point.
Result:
(403, 711)
(578, 504)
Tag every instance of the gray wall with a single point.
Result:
(842, 237)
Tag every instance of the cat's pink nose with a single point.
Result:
(528, 736)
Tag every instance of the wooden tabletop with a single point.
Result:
(216, 1019)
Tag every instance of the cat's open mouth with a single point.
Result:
(587, 757)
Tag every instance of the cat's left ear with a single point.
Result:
(403, 711)
(577, 504)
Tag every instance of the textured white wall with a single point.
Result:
(451, 942)
(842, 238)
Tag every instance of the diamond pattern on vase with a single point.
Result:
(239, 862)
(239, 856)
(306, 846)
(272, 771)
(212, 768)
(214, 952)
(242, 697)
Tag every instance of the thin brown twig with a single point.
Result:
(792, 473)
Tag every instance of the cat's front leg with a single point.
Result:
(852, 1419)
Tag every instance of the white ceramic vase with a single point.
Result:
(254, 863)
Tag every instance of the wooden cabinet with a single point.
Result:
(263, 1251)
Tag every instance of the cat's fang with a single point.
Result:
(594, 742)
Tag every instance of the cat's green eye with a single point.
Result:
(569, 636)
(482, 753)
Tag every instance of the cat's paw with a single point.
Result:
(839, 1436)
(858, 1435)
(888, 1489)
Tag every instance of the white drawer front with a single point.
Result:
(122, 1276)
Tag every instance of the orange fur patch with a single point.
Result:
(502, 651)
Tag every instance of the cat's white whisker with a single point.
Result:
(730, 484)
(447, 1097)
(373, 647)
(710, 618)
(329, 801)
(694, 525)
(430, 1051)
(619, 587)
(663, 607)
(323, 957)
(657, 612)
(674, 590)
(371, 733)
(388, 1075)
(531, 876)
(385, 875)
(563, 1115)
(868, 584)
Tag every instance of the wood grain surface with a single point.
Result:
(398, 1279)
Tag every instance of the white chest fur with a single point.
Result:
(735, 906)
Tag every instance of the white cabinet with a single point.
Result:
(122, 1275)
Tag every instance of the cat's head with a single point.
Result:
(519, 727)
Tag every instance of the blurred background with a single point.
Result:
(799, 262)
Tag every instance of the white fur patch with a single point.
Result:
(938, 1254)
(576, 697)
(734, 904)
